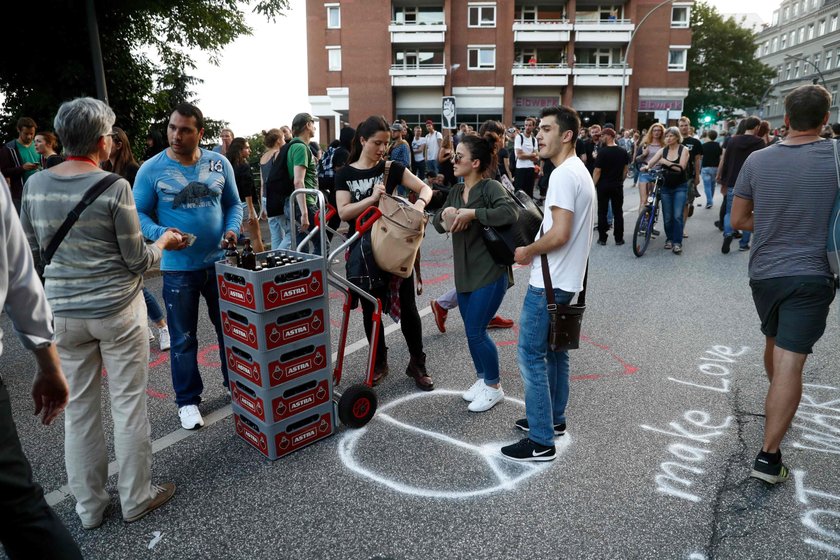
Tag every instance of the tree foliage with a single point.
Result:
(145, 49)
(724, 74)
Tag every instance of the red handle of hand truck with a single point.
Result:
(331, 211)
(367, 218)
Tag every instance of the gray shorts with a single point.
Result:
(793, 309)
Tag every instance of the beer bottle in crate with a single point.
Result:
(231, 254)
(249, 258)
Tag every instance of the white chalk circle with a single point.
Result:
(489, 452)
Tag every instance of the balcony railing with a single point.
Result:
(418, 75)
(600, 74)
(543, 30)
(607, 31)
(541, 74)
(417, 32)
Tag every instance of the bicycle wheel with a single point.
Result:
(642, 232)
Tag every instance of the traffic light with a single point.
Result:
(707, 119)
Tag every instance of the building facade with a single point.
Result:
(802, 44)
(500, 59)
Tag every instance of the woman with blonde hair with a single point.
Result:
(674, 157)
(651, 144)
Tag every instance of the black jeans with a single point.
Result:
(614, 195)
(410, 324)
(523, 180)
(28, 526)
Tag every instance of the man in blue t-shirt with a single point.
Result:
(192, 191)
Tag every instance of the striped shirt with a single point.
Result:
(793, 190)
(98, 268)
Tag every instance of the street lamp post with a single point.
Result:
(624, 62)
(806, 61)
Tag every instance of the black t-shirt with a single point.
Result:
(502, 155)
(359, 182)
(695, 148)
(244, 181)
(580, 147)
(611, 161)
(591, 148)
(711, 154)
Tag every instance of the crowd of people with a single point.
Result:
(83, 306)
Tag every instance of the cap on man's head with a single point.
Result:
(301, 120)
(397, 126)
(429, 121)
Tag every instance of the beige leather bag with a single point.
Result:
(397, 234)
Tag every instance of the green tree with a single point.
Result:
(145, 46)
(723, 72)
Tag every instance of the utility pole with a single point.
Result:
(624, 62)
(96, 52)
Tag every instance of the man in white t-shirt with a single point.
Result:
(418, 148)
(433, 142)
(568, 221)
(525, 147)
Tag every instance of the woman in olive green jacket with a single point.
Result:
(480, 282)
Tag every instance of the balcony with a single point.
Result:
(541, 74)
(603, 75)
(425, 75)
(417, 33)
(615, 31)
(542, 31)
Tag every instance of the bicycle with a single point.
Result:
(647, 218)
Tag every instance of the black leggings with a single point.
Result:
(410, 324)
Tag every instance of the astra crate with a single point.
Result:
(266, 370)
(276, 440)
(274, 287)
(274, 329)
(283, 402)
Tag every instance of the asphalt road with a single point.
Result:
(664, 421)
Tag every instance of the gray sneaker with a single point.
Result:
(160, 495)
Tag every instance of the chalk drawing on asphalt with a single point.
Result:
(488, 452)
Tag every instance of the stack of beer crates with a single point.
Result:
(277, 346)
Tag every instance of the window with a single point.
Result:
(413, 59)
(801, 35)
(680, 16)
(481, 57)
(817, 60)
(481, 15)
(792, 40)
(766, 47)
(828, 60)
(833, 26)
(795, 9)
(833, 96)
(775, 18)
(786, 14)
(796, 70)
(822, 28)
(528, 13)
(774, 45)
(334, 59)
(333, 16)
(418, 16)
(787, 71)
(810, 32)
(677, 59)
(784, 41)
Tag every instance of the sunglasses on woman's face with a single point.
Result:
(456, 157)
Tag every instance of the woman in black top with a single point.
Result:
(238, 153)
(46, 144)
(121, 159)
(445, 160)
(358, 186)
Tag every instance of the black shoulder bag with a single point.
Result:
(87, 199)
(502, 241)
(565, 320)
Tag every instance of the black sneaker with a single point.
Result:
(769, 468)
(727, 241)
(744, 248)
(719, 225)
(527, 450)
(522, 424)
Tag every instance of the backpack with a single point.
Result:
(280, 184)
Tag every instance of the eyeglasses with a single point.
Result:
(456, 157)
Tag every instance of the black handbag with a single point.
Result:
(502, 241)
(564, 320)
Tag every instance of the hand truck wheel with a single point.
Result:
(357, 405)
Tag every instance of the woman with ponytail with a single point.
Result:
(480, 282)
(358, 186)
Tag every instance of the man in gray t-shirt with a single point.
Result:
(784, 194)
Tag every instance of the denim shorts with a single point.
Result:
(645, 177)
(793, 309)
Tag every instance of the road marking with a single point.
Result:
(61, 494)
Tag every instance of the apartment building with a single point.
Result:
(500, 59)
(803, 44)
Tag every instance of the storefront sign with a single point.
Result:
(660, 104)
(535, 102)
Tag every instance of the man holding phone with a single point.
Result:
(19, 160)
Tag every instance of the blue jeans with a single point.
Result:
(432, 166)
(182, 292)
(153, 309)
(727, 219)
(290, 205)
(545, 374)
(673, 202)
(708, 175)
(279, 228)
(477, 308)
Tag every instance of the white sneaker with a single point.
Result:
(190, 417)
(472, 392)
(164, 338)
(486, 399)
